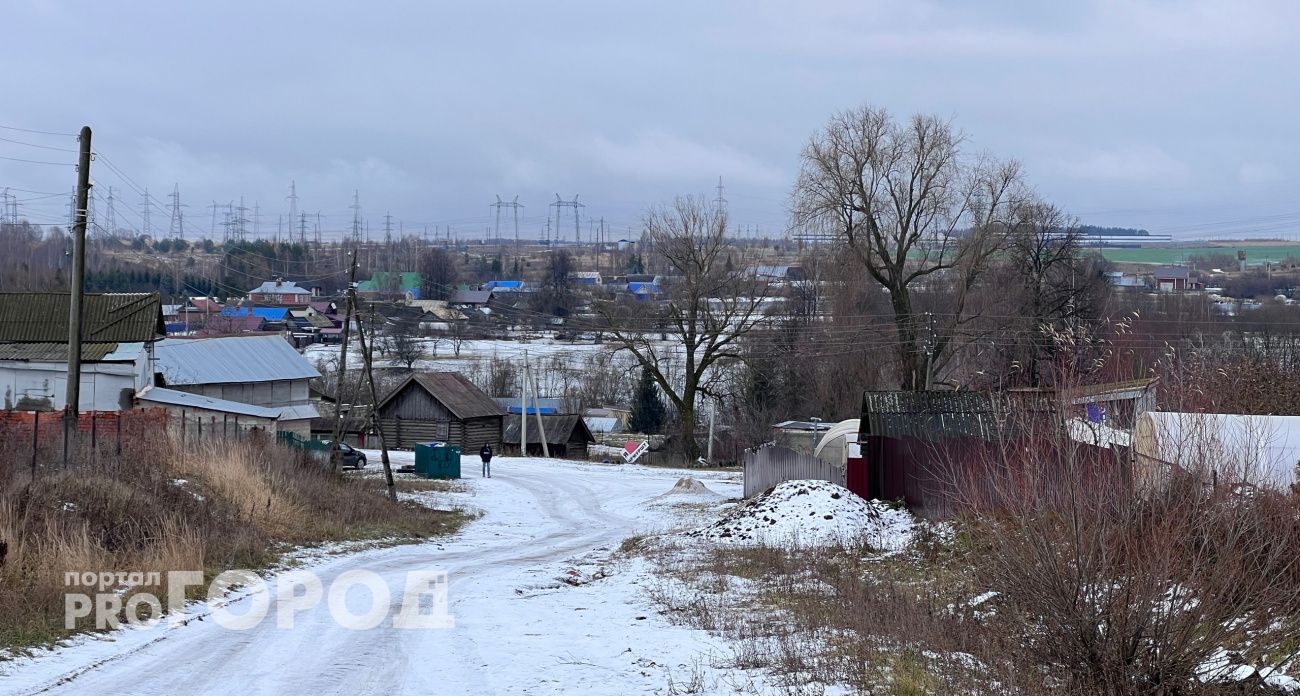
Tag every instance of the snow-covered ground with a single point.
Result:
(541, 602)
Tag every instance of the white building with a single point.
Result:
(118, 335)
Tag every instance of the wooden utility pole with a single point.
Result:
(523, 413)
(374, 402)
(336, 454)
(541, 429)
(73, 397)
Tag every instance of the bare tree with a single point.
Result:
(713, 302)
(438, 274)
(1061, 291)
(403, 342)
(913, 211)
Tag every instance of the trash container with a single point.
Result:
(437, 460)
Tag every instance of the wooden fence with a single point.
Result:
(771, 464)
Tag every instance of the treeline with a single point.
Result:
(1096, 231)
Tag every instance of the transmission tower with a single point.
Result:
(110, 217)
(8, 208)
(293, 205)
(720, 201)
(241, 221)
(388, 227)
(144, 211)
(177, 228)
(212, 231)
(356, 217)
(560, 204)
(514, 205)
(302, 227)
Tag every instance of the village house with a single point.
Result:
(567, 436)
(262, 371)
(280, 292)
(440, 406)
(119, 332)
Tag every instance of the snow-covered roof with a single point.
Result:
(279, 287)
(230, 359)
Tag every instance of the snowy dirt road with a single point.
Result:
(519, 628)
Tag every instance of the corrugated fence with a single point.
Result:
(771, 464)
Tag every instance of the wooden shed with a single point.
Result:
(441, 406)
(567, 436)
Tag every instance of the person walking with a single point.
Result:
(486, 455)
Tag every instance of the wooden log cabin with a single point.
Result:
(441, 406)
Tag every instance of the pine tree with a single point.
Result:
(648, 412)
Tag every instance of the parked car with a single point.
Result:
(351, 457)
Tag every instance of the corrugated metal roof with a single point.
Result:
(42, 317)
(159, 395)
(939, 414)
(452, 390)
(558, 429)
(54, 352)
(298, 412)
(230, 359)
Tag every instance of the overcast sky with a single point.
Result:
(1177, 116)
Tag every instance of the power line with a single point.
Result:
(40, 132)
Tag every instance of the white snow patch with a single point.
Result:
(812, 513)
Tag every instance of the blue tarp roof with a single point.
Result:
(545, 410)
(267, 313)
(503, 285)
(644, 289)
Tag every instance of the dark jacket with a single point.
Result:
(486, 452)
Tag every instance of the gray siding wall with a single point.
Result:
(270, 394)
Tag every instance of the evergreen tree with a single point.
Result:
(648, 412)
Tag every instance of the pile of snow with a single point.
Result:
(688, 491)
(812, 513)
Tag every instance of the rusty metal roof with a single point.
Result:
(558, 429)
(42, 317)
(452, 390)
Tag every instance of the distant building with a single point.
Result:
(1172, 278)
(279, 292)
(585, 277)
(506, 286)
(391, 285)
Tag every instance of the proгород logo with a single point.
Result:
(356, 599)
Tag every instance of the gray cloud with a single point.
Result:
(1154, 113)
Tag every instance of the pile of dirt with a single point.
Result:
(812, 513)
(688, 491)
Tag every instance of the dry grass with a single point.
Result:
(160, 507)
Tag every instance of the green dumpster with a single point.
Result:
(437, 460)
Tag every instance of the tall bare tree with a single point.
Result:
(713, 300)
(1061, 291)
(913, 211)
(438, 274)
